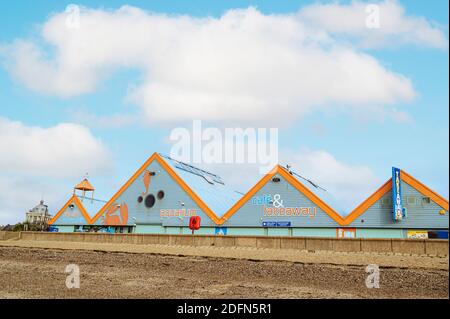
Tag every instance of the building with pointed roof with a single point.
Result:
(162, 195)
(38, 214)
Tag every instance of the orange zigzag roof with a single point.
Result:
(386, 187)
(291, 180)
(360, 209)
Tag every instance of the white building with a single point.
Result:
(39, 214)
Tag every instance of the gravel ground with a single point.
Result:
(301, 256)
(27, 272)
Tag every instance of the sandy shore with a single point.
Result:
(321, 257)
(143, 271)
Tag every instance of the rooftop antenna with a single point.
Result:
(288, 167)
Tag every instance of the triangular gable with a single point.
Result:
(76, 201)
(291, 180)
(386, 187)
(174, 175)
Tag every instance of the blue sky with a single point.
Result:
(399, 124)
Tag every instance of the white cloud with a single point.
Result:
(115, 120)
(347, 185)
(244, 66)
(39, 162)
(64, 150)
(395, 27)
(18, 194)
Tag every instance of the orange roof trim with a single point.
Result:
(248, 195)
(405, 177)
(365, 205)
(291, 180)
(360, 209)
(435, 197)
(76, 201)
(173, 174)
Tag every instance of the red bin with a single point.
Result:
(194, 222)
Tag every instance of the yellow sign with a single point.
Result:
(417, 234)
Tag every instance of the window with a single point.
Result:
(386, 202)
(149, 201)
(160, 195)
(426, 200)
(411, 201)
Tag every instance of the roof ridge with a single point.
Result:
(387, 186)
(162, 161)
(190, 165)
(295, 183)
(368, 202)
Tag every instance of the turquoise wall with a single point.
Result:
(279, 232)
(247, 231)
(314, 232)
(149, 229)
(260, 231)
(380, 233)
(65, 229)
(240, 231)
(158, 229)
(201, 231)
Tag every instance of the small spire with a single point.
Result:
(84, 185)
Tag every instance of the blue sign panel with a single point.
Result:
(283, 224)
(269, 224)
(221, 231)
(397, 205)
(276, 224)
